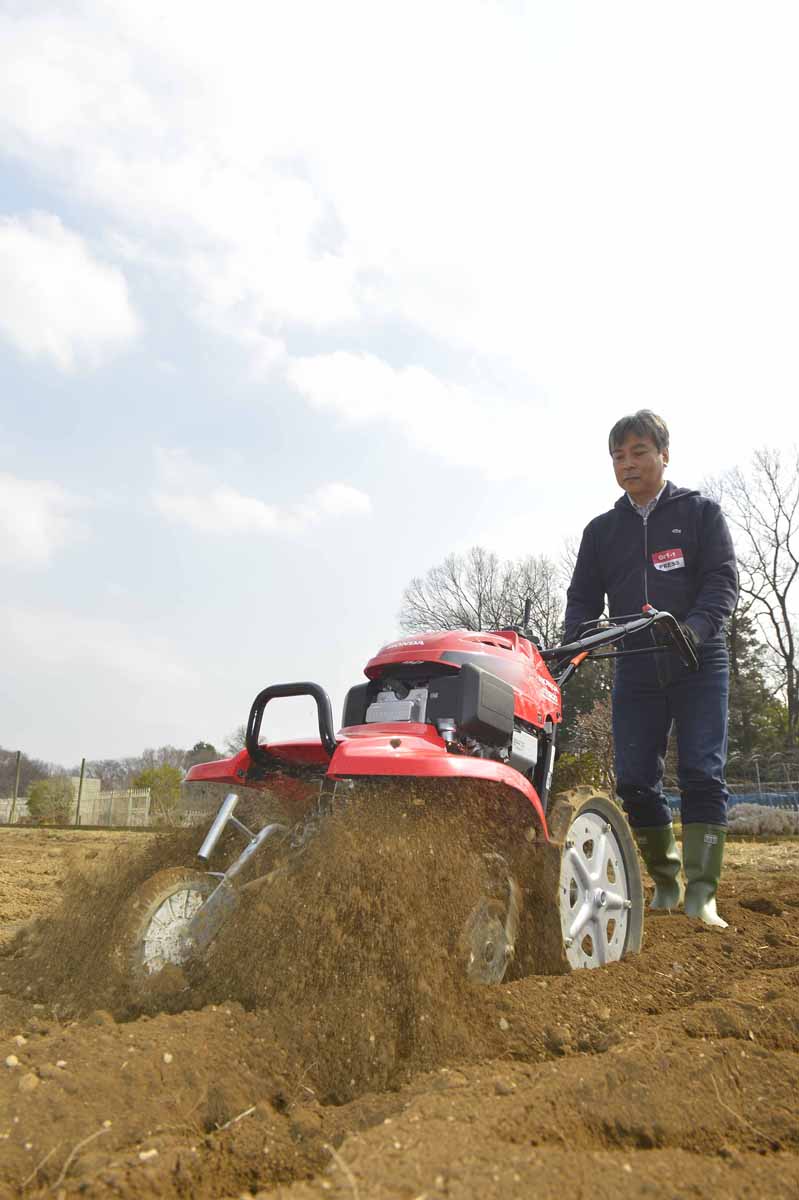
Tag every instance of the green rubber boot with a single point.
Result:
(662, 857)
(703, 851)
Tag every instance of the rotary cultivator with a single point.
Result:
(446, 722)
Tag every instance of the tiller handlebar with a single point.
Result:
(586, 647)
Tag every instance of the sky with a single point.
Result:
(296, 299)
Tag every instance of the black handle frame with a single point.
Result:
(278, 691)
(616, 633)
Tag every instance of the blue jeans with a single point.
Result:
(643, 712)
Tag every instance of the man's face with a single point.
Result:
(639, 467)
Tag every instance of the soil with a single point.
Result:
(328, 1048)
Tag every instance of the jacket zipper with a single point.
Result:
(646, 560)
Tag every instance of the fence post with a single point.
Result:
(80, 790)
(16, 790)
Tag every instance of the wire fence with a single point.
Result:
(125, 808)
(768, 795)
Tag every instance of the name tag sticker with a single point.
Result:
(668, 560)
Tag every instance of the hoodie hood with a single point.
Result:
(670, 492)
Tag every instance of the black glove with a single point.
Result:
(690, 636)
(664, 636)
(670, 663)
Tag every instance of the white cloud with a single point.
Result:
(56, 299)
(36, 520)
(57, 638)
(434, 415)
(200, 166)
(188, 493)
(608, 250)
(335, 500)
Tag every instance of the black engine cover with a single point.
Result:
(481, 704)
(486, 706)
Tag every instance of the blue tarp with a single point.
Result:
(770, 799)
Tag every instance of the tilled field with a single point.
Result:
(673, 1074)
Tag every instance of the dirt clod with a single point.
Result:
(763, 904)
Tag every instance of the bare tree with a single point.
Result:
(537, 578)
(763, 506)
(464, 592)
(236, 740)
(477, 591)
(163, 756)
(568, 559)
(114, 773)
(30, 769)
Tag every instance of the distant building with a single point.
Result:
(128, 806)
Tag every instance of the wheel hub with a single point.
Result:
(165, 940)
(487, 944)
(492, 927)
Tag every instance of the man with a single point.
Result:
(669, 547)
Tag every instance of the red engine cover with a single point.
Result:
(407, 749)
(506, 655)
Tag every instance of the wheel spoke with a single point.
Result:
(602, 853)
(600, 940)
(583, 917)
(579, 867)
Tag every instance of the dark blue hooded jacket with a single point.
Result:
(681, 560)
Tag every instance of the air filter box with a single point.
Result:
(486, 706)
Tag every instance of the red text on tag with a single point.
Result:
(668, 560)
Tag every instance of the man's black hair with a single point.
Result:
(644, 424)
